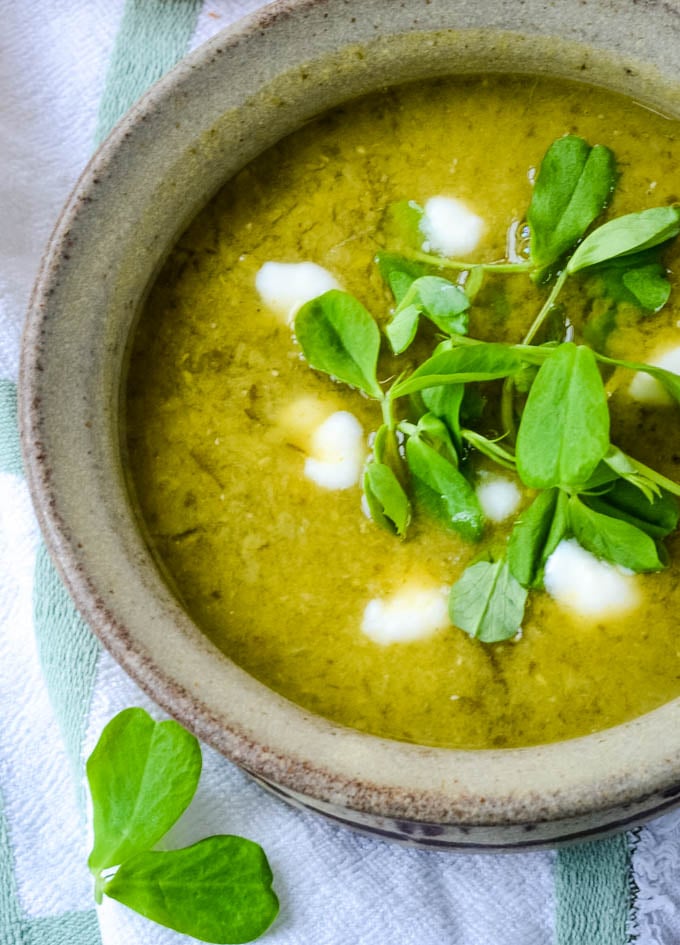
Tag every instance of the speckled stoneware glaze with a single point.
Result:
(218, 109)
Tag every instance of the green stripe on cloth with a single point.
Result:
(592, 893)
(71, 928)
(68, 653)
(10, 450)
(591, 881)
(67, 649)
(11, 925)
(153, 36)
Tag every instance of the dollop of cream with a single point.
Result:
(499, 497)
(412, 613)
(285, 287)
(647, 390)
(337, 452)
(586, 585)
(450, 227)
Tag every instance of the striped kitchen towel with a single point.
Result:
(68, 71)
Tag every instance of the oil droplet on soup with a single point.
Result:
(277, 570)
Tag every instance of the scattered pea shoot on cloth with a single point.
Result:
(553, 402)
(142, 776)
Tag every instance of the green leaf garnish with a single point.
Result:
(648, 480)
(137, 795)
(444, 303)
(443, 490)
(387, 502)
(624, 235)
(565, 449)
(621, 466)
(490, 448)
(657, 516)
(488, 602)
(572, 188)
(436, 433)
(402, 329)
(218, 890)
(638, 281)
(386, 450)
(613, 539)
(446, 402)
(551, 422)
(474, 282)
(481, 362)
(536, 534)
(142, 776)
(611, 275)
(399, 273)
(338, 336)
(649, 286)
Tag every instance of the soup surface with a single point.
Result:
(278, 570)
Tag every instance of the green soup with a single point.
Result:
(278, 571)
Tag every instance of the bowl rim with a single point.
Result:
(632, 767)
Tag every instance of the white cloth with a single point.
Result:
(336, 888)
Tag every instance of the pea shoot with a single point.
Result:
(142, 776)
(553, 403)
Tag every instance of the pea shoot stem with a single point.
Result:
(490, 448)
(387, 412)
(657, 477)
(99, 883)
(507, 408)
(547, 305)
(461, 265)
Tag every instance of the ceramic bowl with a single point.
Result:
(219, 108)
